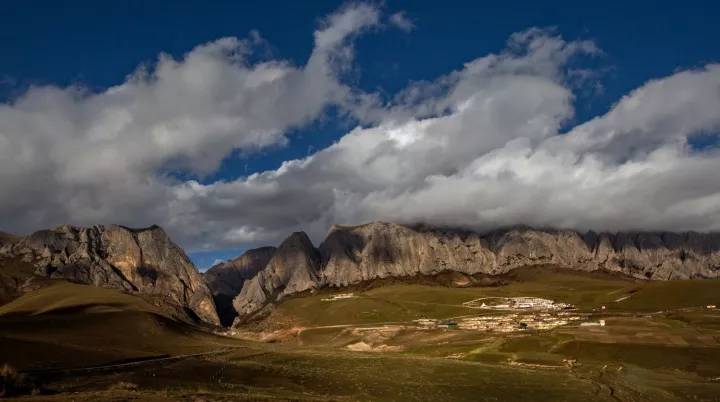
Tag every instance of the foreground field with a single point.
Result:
(67, 325)
(660, 342)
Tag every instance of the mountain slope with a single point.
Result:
(14, 275)
(354, 254)
(226, 279)
(134, 260)
(7, 238)
(69, 325)
(292, 269)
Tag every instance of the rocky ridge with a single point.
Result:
(293, 268)
(354, 254)
(135, 260)
(226, 279)
(148, 262)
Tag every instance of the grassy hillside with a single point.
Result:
(13, 273)
(587, 291)
(652, 327)
(659, 344)
(67, 325)
(62, 296)
(664, 295)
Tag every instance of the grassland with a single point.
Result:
(72, 325)
(586, 291)
(13, 272)
(654, 329)
(660, 343)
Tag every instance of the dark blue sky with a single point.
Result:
(97, 44)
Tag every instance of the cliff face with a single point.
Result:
(377, 250)
(353, 254)
(140, 260)
(226, 279)
(147, 261)
(293, 268)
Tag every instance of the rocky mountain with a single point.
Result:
(13, 272)
(135, 260)
(293, 268)
(227, 278)
(148, 262)
(354, 254)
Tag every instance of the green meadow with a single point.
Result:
(659, 343)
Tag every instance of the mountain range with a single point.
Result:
(146, 261)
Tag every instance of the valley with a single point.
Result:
(359, 201)
(76, 341)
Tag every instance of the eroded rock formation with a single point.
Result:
(293, 268)
(227, 278)
(135, 260)
(147, 261)
(353, 254)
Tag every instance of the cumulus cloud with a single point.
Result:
(479, 147)
(68, 154)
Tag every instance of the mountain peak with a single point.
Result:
(359, 253)
(293, 268)
(226, 279)
(135, 260)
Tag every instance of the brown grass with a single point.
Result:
(13, 383)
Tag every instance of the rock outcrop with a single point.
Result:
(293, 268)
(148, 262)
(135, 260)
(354, 254)
(379, 250)
(226, 279)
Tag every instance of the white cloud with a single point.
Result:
(68, 154)
(402, 21)
(479, 147)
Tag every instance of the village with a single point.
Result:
(516, 303)
(528, 313)
(512, 322)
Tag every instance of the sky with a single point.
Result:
(235, 123)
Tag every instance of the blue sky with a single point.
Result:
(96, 45)
(99, 44)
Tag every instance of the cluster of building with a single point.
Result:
(517, 303)
(431, 323)
(339, 296)
(502, 323)
(600, 323)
